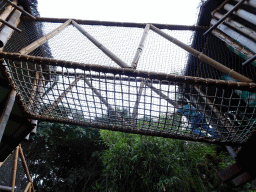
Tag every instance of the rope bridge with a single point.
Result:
(130, 77)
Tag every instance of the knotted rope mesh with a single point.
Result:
(70, 80)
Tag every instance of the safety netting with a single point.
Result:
(162, 91)
(11, 174)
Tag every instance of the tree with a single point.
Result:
(143, 163)
(64, 157)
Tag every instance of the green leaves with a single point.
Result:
(143, 163)
(64, 157)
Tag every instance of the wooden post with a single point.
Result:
(7, 31)
(6, 112)
(101, 47)
(20, 9)
(136, 105)
(43, 39)
(203, 57)
(140, 48)
(15, 163)
(24, 163)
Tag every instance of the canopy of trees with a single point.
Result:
(73, 158)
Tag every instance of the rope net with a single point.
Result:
(171, 93)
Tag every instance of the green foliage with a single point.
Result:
(142, 163)
(64, 157)
(73, 158)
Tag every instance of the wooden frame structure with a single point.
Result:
(126, 68)
(146, 79)
(18, 153)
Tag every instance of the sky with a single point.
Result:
(182, 12)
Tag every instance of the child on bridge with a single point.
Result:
(196, 119)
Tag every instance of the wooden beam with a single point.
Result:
(28, 188)
(203, 57)
(242, 179)
(10, 25)
(224, 17)
(64, 93)
(24, 163)
(140, 48)
(230, 172)
(43, 39)
(7, 11)
(20, 9)
(5, 188)
(6, 32)
(15, 163)
(111, 55)
(6, 112)
(136, 105)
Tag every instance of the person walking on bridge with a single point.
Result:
(196, 119)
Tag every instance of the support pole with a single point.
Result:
(7, 31)
(5, 188)
(28, 188)
(104, 101)
(6, 112)
(224, 17)
(24, 163)
(136, 105)
(15, 163)
(101, 47)
(9, 25)
(203, 57)
(1, 163)
(140, 48)
(96, 92)
(20, 9)
(43, 39)
(65, 92)
(158, 92)
(50, 88)
(250, 60)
